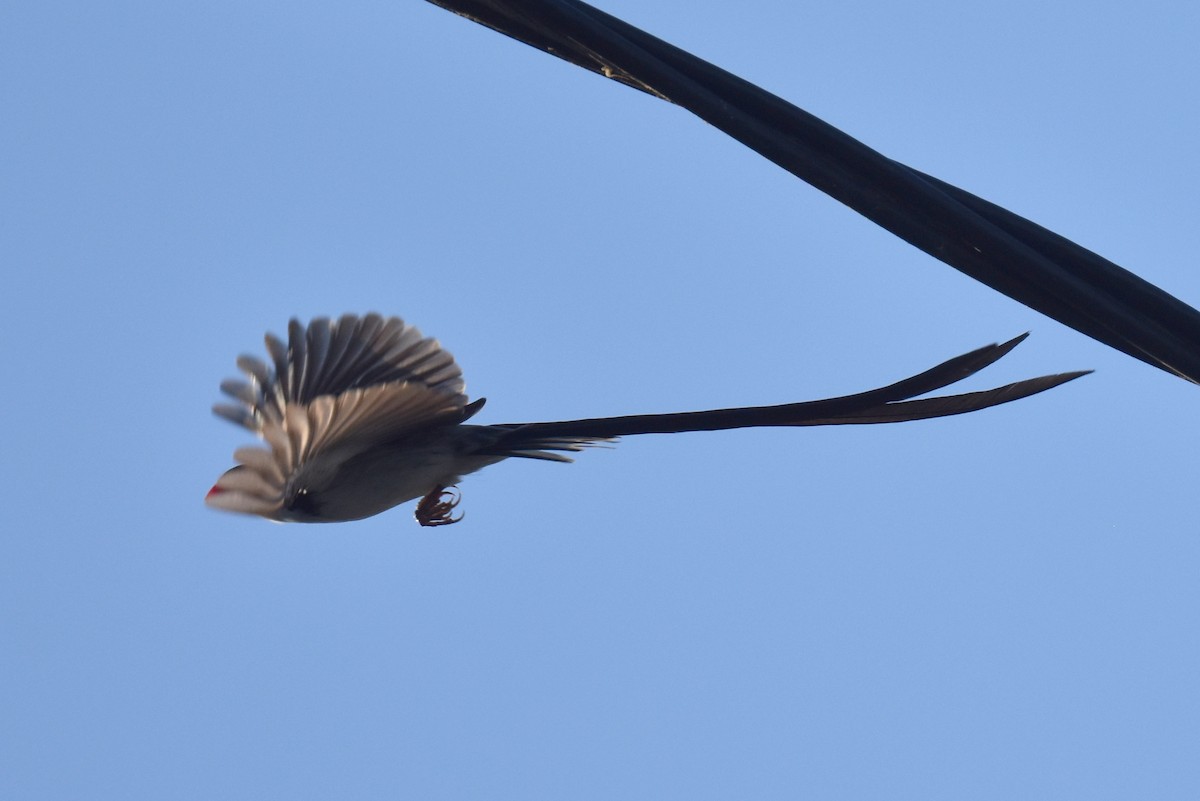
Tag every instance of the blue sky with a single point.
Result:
(1001, 605)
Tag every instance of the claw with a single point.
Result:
(435, 508)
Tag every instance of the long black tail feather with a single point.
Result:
(891, 404)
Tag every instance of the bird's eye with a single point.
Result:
(304, 502)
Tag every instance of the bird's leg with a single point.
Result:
(435, 508)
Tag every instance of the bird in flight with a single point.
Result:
(361, 414)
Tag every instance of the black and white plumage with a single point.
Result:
(361, 414)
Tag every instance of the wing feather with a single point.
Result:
(332, 357)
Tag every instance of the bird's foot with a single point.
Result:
(435, 508)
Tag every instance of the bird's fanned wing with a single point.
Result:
(331, 357)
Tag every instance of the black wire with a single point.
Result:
(1009, 253)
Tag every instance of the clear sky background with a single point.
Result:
(996, 606)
